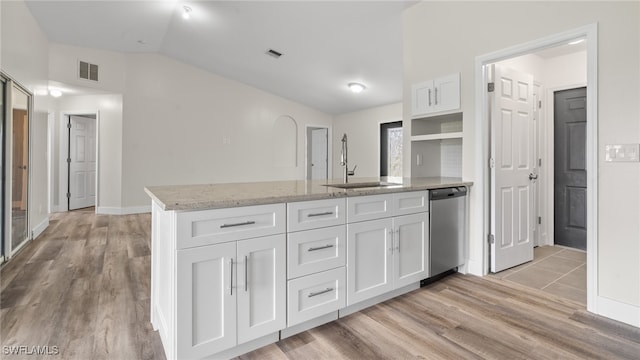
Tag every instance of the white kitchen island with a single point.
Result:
(238, 266)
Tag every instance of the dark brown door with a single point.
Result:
(570, 180)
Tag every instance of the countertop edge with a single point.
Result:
(196, 205)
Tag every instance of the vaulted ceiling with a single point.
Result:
(325, 44)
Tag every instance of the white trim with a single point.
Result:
(474, 267)
(40, 228)
(329, 150)
(63, 176)
(616, 310)
(482, 208)
(108, 210)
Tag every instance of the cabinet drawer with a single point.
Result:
(307, 215)
(316, 250)
(412, 202)
(315, 295)
(198, 228)
(362, 208)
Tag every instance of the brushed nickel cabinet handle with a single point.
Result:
(246, 273)
(320, 247)
(320, 292)
(429, 97)
(436, 90)
(237, 224)
(320, 214)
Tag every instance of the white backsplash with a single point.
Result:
(451, 158)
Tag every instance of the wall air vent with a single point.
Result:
(274, 53)
(87, 71)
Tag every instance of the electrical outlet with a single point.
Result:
(622, 153)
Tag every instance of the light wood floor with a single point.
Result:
(83, 286)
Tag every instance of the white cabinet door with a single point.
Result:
(207, 227)
(371, 207)
(411, 246)
(206, 302)
(261, 286)
(315, 250)
(422, 98)
(314, 214)
(315, 295)
(446, 92)
(410, 202)
(369, 259)
(431, 96)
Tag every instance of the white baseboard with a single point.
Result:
(619, 311)
(474, 268)
(106, 210)
(40, 228)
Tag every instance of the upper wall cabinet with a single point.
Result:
(438, 95)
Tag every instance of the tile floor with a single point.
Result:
(555, 269)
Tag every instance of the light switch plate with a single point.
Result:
(622, 153)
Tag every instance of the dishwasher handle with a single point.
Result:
(446, 193)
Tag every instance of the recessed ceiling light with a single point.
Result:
(55, 93)
(576, 42)
(356, 87)
(186, 12)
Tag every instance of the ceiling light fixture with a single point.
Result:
(576, 42)
(55, 93)
(356, 87)
(186, 14)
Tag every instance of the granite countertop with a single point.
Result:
(215, 196)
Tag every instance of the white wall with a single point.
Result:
(183, 125)
(109, 110)
(464, 33)
(363, 133)
(24, 54)
(63, 67)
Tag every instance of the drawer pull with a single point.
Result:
(320, 292)
(320, 214)
(320, 247)
(237, 224)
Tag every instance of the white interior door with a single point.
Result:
(319, 154)
(512, 152)
(82, 162)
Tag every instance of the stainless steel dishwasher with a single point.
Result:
(447, 229)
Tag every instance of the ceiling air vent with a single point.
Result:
(274, 53)
(88, 71)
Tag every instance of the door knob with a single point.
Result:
(533, 176)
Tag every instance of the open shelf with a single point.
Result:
(437, 127)
(441, 136)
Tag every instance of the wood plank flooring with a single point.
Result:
(83, 286)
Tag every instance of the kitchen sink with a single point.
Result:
(362, 185)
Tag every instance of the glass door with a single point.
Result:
(19, 166)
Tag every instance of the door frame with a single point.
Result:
(549, 179)
(481, 209)
(10, 83)
(63, 152)
(307, 150)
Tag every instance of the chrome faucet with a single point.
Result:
(343, 160)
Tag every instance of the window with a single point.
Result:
(391, 149)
